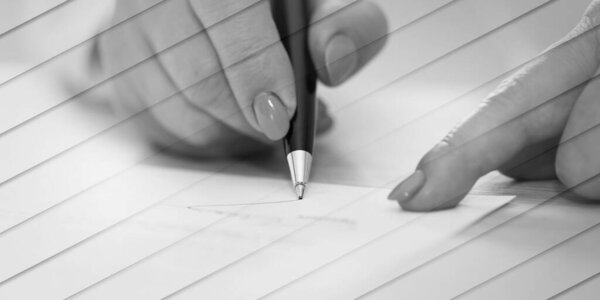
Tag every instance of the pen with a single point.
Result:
(292, 18)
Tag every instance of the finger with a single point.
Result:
(192, 65)
(255, 64)
(578, 158)
(153, 102)
(345, 35)
(530, 107)
(149, 94)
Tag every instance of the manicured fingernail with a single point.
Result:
(341, 58)
(271, 116)
(408, 188)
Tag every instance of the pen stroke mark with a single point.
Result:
(197, 207)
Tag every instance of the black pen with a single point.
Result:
(293, 19)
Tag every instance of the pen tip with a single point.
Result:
(300, 187)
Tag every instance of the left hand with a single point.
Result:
(541, 123)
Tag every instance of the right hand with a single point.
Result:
(236, 82)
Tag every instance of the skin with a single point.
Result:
(214, 79)
(541, 123)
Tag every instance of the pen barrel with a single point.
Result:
(293, 19)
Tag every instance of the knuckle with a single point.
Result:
(509, 92)
(191, 61)
(437, 152)
(210, 92)
(593, 10)
(211, 12)
(237, 38)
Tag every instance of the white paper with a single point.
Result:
(105, 216)
(186, 238)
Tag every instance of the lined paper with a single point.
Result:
(172, 245)
(89, 210)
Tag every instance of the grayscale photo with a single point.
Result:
(299, 149)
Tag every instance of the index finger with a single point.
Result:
(253, 58)
(529, 107)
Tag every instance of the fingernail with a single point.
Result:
(341, 58)
(271, 116)
(408, 188)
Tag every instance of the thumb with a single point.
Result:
(530, 107)
(344, 36)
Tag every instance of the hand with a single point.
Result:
(234, 76)
(541, 123)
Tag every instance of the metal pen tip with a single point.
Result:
(300, 187)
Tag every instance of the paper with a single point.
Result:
(185, 239)
(92, 212)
